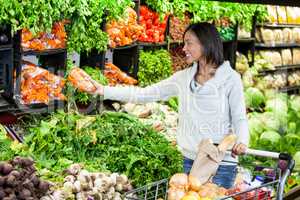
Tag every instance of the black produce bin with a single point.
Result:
(127, 59)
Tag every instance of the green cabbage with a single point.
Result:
(295, 103)
(297, 161)
(256, 125)
(270, 137)
(270, 121)
(254, 98)
(279, 107)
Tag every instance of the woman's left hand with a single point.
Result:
(238, 149)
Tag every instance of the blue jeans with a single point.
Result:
(224, 177)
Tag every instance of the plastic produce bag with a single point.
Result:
(38, 85)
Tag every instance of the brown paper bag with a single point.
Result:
(209, 157)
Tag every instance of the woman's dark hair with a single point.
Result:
(210, 40)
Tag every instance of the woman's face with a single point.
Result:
(192, 47)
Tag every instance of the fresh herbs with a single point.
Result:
(87, 18)
(154, 66)
(112, 141)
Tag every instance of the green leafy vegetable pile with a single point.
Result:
(86, 18)
(154, 66)
(112, 141)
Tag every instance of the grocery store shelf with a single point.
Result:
(44, 52)
(6, 47)
(246, 40)
(176, 42)
(278, 25)
(124, 47)
(270, 2)
(290, 88)
(286, 45)
(149, 44)
(280, 68)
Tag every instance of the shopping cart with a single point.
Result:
(158, 190)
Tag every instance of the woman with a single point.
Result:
(211, 101)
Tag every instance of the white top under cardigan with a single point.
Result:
(210, 110)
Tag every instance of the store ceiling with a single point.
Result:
(271, 2)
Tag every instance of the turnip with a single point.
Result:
(70, 178)
(122, 179)
(68, 186)
(77, 186)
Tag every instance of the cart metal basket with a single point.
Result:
(273, 189)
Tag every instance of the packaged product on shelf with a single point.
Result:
(291, 15)
(296, 56)
(281, 13)
(297, 12)
(294, 78)
(55, 39)
(38, 85)
(278, 36)
(268, 36)
(286, 55)
(273, 57)
(272, 14)
(296, 35)
(124, 31)
(287, 34)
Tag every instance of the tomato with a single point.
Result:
(143, 10)
(149, 23)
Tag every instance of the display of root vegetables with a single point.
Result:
(18, 180)
(178, 26)
(38, 85)
(178, 59)
(125, 30)
(187, 187)
(153, 28)
(116, 76)
(55, 39)
(80, 184)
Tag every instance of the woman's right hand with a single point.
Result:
(99, 89)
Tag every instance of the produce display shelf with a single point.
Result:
(246, 40)
(6, 106)
(280, 68)
(6, 47)
(176, 42)
(44, 52)
(290, 88)
(278, 25)
(228, 41)
(271, 2)
(150, 44)
(287, 45)
(124, 47)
